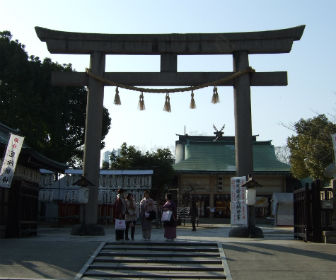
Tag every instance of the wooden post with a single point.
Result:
(93, 132)
(316, 211)
(333, 215)
(212, 203)
(306, 213)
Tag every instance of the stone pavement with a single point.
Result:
(55, 254)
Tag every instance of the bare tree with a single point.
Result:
(283, 154)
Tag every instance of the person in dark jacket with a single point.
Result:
(119, 211)
(193, 214)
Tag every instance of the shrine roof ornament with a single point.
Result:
(273, 41)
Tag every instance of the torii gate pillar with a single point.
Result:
(242, 113)
(93, 132)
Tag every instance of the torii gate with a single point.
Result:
(168, 46)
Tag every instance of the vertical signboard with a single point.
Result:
(9, 162)
(238, 201)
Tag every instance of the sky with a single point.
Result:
(310, 65)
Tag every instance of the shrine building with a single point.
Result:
(19, 204)
(205, 165)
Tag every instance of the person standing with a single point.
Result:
(130, 216)
(193, 214)
(170, 227)
(146, 205)
(119, 210)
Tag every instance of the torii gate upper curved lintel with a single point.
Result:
(168, 46)
(262, 42)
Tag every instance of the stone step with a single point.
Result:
(156, 254)
(155, 260)
(155, 248)
(155, 243)
(120, 274)
(197, 260)
(151, 267)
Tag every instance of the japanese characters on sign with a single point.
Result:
(9, 162)
(238, 203)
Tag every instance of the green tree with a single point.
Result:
(51, 118)
(105, 165)
(161, 162)
(311, 149)
(130, 158)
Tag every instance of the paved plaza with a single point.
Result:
(55, 254)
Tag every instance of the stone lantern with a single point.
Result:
(83, 228)
(251, 186)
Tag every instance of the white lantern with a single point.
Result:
(251, 194)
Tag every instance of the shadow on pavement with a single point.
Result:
(298, 249)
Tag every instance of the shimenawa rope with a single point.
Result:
(172, 90)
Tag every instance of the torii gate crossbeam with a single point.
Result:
(168, 46)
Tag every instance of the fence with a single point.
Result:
(307, 213)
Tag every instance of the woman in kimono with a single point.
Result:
(130, 216)
(146, 205)
(170, 227)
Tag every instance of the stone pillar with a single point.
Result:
(242, 113)
(243, 123)
(243, 137)
(93, 132)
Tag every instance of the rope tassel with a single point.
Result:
(166, 106)
(192, 102)
(117, 97)
(141, 102)
(215, 96)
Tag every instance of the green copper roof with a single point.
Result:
(220, 157)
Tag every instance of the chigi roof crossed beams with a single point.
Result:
(169, 46)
